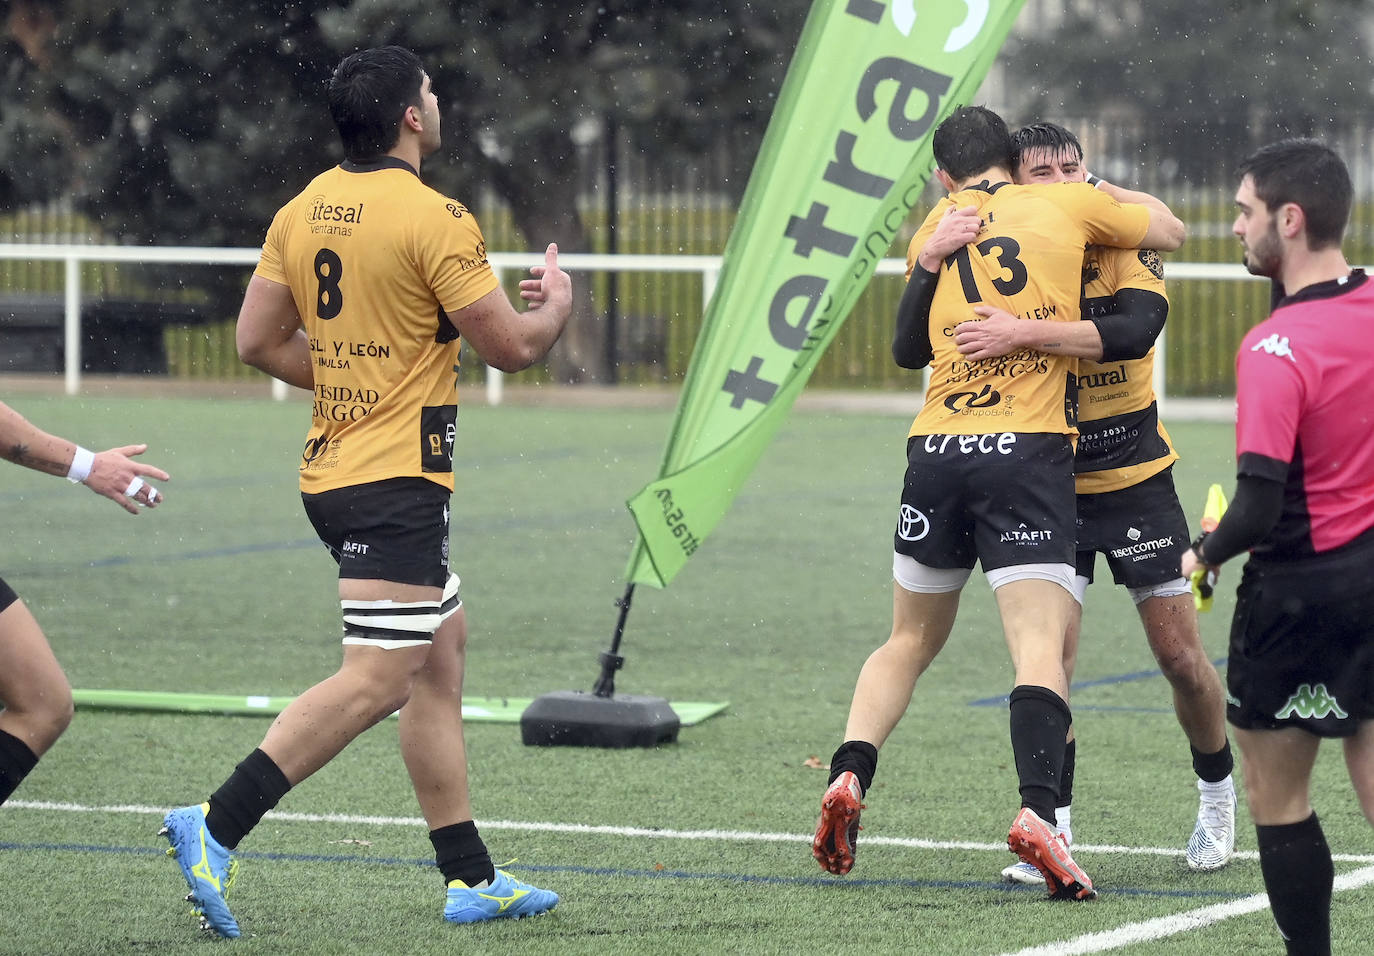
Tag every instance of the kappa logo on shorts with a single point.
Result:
(912, 525)
(1310, 702)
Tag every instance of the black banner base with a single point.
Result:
(573, 718)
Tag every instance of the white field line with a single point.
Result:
(737, 836)
(1153, 929)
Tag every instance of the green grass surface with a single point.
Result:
(224, 590)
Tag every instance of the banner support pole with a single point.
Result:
(613, 660)
(601, 718)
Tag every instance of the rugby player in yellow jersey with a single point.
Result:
(990, 471)
(366, 282)
(1127, 506)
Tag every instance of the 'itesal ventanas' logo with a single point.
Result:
(326, 219)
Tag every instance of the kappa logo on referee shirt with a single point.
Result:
(1274, 344)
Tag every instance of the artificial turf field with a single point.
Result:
(699, 846)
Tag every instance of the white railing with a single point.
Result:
(708, 267)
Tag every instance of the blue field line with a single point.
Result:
(1001, 699)
(116, 560)
(470, 525)
(822, 882)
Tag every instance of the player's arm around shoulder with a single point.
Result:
(1166, 232)
(944, 233)
(998, 333)
(511, 340)
(1108, 221)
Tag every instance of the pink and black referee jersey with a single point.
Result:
(1305, 397)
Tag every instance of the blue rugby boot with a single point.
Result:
(505, 897)
(209, 868)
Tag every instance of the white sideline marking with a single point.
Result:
(1152, 929)
(649, 832)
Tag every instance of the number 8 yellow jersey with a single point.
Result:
(1028, 260)
(375, 259)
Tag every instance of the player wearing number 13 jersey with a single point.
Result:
(366, 281)
(1026, 258)
(989, 471)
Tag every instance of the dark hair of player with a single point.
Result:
(1309, 174)
(970, 140)
(368, 94)
(1051, 138)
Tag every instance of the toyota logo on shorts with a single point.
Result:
(912, 525)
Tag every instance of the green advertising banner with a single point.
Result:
(846, 155)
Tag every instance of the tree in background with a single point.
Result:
(1210, 81)
(188, 122)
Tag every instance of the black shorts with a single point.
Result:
(1002, 499)
(1141, 529)
(392, 530)
(7, 595)
(1302, 643)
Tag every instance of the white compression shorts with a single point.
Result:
(395, 624)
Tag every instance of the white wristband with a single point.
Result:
(81, 465)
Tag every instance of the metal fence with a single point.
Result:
(668, 221)
(864, 344)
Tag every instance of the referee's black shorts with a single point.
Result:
(1302, 643)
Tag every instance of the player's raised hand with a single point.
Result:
(551, 287)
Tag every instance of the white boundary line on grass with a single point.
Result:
(739, 836)
(1153, 929)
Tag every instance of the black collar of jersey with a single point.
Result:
(988, 187)
(372, 165)
(1326, 290)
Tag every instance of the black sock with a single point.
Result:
(460, 854)
(1298, 875)
(1040, 721)
(1213, 768)
(16, 760)
(860, 758)
(256, 786)
(1066, 775)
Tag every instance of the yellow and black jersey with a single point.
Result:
(1121, 440)
(375, 259)
(1028, 260)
